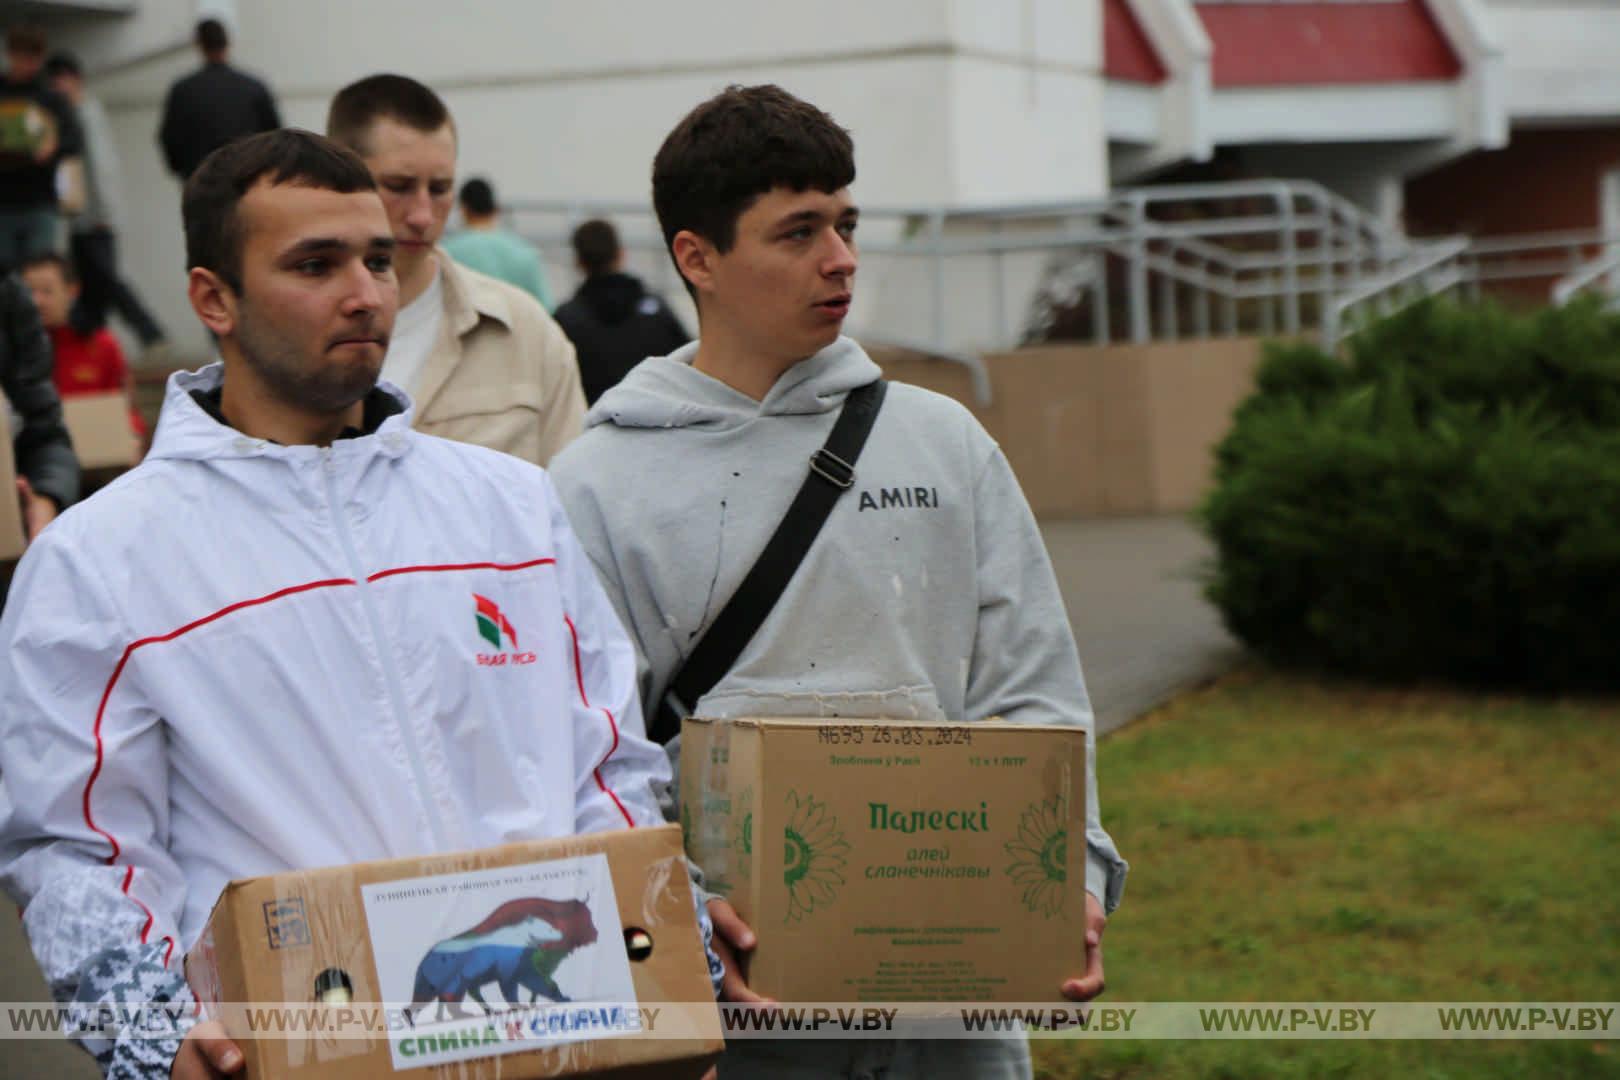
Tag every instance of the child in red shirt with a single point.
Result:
(90, 363)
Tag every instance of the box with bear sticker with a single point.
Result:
(569, 957)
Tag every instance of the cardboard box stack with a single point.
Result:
(894, 861)
(99, 424)
(570, 957)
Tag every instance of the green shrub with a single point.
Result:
(1446, 504)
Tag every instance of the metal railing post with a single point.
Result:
(1327, 243)
(1201, 311)
(1330, 327)
(998, 296)
(1137, 291)
(1357, 254)
(1290, 253)
(936, 226)
(1100, 298)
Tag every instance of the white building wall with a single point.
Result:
(1025, 106)
(950, 102)
(1560, 58)
(1318, 115)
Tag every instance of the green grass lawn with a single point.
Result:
(1298, 840)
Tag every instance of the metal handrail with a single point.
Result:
(1431, 257)
(1311, 242)
(1320, 244)
(1566, 255)
(1568, 287)
(1519, 242)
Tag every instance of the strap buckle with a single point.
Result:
(832, 468)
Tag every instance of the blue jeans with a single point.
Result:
(26, 233)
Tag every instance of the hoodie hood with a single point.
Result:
(612, 298)
(185, 431)
(667, 392)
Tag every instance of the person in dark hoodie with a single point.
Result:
(613, 321)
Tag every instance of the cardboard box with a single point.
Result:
(894, 861)
(99, 424)
(12, 538)
(552, 924)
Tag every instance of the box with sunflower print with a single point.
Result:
(894, 860)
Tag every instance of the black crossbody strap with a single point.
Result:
(832, 472)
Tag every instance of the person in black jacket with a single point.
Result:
(213, 105)
(47, 470)
(613, 321)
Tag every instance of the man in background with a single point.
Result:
(486, 247)
(38, 130)
(613, 321)
(482, 359)
(93, 232)
(213, 105)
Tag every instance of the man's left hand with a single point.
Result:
(38, 510)
(1090, 984)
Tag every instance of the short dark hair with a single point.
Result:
(211, 37)
(737, 146)
(596, 246)
(63, 63)
(25, 39)
(477, 197)
(396, 97)
(50, 258)
(209, 206)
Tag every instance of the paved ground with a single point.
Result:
(1144, 633)
(1136, 604)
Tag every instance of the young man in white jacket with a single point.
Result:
(927, 594)
(261, 649)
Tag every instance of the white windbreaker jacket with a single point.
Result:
(242, 658)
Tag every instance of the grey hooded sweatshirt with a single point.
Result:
(928, 593)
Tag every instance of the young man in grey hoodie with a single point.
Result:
(927, 594)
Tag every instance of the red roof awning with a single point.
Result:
(1128, 55)
(1272, 44)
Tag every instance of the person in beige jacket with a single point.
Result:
(481, 359)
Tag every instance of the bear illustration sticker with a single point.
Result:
(501, 961)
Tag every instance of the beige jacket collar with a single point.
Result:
(468, 297)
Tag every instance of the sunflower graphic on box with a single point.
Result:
(1040, 856)
(814, 851)
(742, 840)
